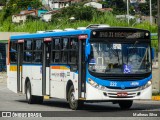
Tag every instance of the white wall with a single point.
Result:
(46, 17)
(94, 4)
(17, 19)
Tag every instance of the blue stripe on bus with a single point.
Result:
(50, 34)
(108, 83)
(31, 64)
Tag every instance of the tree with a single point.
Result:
(3, 2)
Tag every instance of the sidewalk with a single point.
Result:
(3, 77)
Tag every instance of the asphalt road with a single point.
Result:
(10, 101)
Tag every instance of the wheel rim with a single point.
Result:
(72, 99)
(28, 94)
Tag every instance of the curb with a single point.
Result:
(157, 98)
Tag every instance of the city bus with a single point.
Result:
(96, 64)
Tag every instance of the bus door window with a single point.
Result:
(13, 52)
(73, 58)
(56, 46)
(65, 48)
(28, 53)
(37, 51)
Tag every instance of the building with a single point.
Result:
(48, 16)
(57, 4)
(94, 4)
(147, 19)
(1, 6)
(22, 17)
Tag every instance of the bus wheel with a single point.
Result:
(74, 104)
(30, 99)
(125, 104)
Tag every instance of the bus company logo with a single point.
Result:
(122, 87)
(63, 75)
(55, 74)
(134, 84)
(6, 114)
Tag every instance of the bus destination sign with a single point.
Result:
(120, 34)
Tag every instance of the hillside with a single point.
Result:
(83, 17)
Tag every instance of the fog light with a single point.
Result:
(138, 94)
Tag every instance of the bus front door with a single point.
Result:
(19, 66)
(46, 67)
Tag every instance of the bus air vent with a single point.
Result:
(69, 29)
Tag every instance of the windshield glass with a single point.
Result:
(114, 58)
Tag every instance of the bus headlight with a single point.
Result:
(94, 84)
(145, 86)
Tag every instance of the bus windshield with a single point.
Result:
(116, 58)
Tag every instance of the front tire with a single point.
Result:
(74, 104)
(125, 104)
(31, 99)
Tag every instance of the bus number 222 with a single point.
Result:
(113, 84)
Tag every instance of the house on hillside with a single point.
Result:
(106, 9)
(1, 6)
(147, 19)
(48, 16)
(40, 12)
(57, 4)
(22, 17)
(94, 4)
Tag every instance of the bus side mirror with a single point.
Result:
(152, 53)
(88, 50)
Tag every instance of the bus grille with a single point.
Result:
(114, 95)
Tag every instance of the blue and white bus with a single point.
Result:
(108, 64)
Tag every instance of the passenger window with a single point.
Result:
(64, 57)
(13, 52)
(65, 43)
(37, 57)
(13, 57)
(56, 56)
(73, 57)
(13, 47)
(28, 52)
(74, 43)
(28, 45)
(57, 44)
(38, 45)
(27, 56)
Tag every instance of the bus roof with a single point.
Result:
(50, 34)
(69, 33)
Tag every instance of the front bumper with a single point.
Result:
(111, 94)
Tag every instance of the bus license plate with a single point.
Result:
(122, 94)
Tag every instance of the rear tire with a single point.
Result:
(74, 104)
(31, 99)
(125, 104)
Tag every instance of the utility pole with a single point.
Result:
(128, 11)
(150, 4)
(158, 4)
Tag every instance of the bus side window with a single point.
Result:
(56, 44)
(73, 54)
(65, 43)
(13, 52)
(37, 54)
(28, 53)
(74, 43)
(64, 50)
(56, 54)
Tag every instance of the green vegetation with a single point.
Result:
(84, 16)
